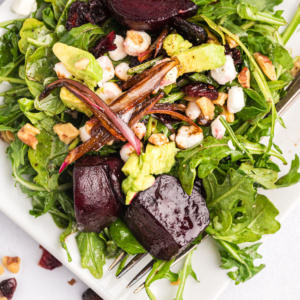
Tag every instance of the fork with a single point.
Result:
(282, 106)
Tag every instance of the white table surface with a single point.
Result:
(279, 280)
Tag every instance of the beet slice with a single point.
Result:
(149, 15)
(97, 192)
(164, 219)
(8, 288)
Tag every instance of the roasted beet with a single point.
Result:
(150, 15)
(235, 54)
(105, 44)
(89, 294)
(164, 219)
(191, 32)
(201, 89)
(48, 261)
(97, 192)
(7, 288)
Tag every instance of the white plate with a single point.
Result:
(206, 260)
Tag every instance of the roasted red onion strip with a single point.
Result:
(101, 110)
(144, 88)
(173, 114)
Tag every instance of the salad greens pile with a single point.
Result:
(231, 174)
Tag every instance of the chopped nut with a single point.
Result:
(207, 108)
(221, 99)
(139, 129)
(296, 68)
(1, 270)
(158, 139)
(228, 116)
(231, 42)
(66, 132)
(27, 135)
(72, 281)
(176, 282)
(11, 263)
(212, 39)
(82, 63)
(244, 78)
(7, 136)
(266, 65)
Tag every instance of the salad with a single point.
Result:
(138, 127)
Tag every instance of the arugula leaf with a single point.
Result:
(58, 7)
(292, 177)
(92, 251)
(123, 237)
(47, 158)
(207, 156)
(51, 105)
(262, 5)
(72, 228)
(48, 18)
(184, 274)
(160, 270)
(33, 29)
(80, 37)
(237, 214)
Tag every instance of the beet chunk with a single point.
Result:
(97, 192)
(149, 15)
(164, 219)
(7, 288)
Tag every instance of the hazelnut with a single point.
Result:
(266, 65)
(244, 78)
(11, 263)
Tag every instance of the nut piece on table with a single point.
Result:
(244, 78)
(266, 65)
(231, 42)
(158, 139)
(1, 270)
(228, 116)
(207, 108)
(296, 68)
(12, 264)
(221, 99)
(27, 135)
(66, 132)
(7, 136)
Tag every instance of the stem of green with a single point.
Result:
(12, 80)
(16, 64)
(291, 28)
(247, 25)
(10, 22)
(140, 68)
(235, 140)
(13, 92)
(172, 98)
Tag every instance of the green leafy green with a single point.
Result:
(292, 177)
(92, 251)
(184, 273)
(122, 236)
(48, 18)
(58, 7)
(51, 105)
(160, 270)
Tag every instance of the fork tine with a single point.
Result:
(131, 264)
(147, 268)
(141, 274)
(117, 260)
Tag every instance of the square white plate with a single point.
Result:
(206, 259)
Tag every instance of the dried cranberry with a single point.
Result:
(48, 261)
(7, 288)
(89, 294)
(97, 13)
(234, 53)
(201, 89)
(105, 44)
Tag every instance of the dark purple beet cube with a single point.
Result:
(164, 219)
(98, 195)
(149, 15)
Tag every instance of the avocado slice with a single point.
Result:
(201, 58)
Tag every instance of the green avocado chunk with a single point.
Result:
(81, 64)
(73, 102)
(201, 58)
(140, 169)
(175, 43)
